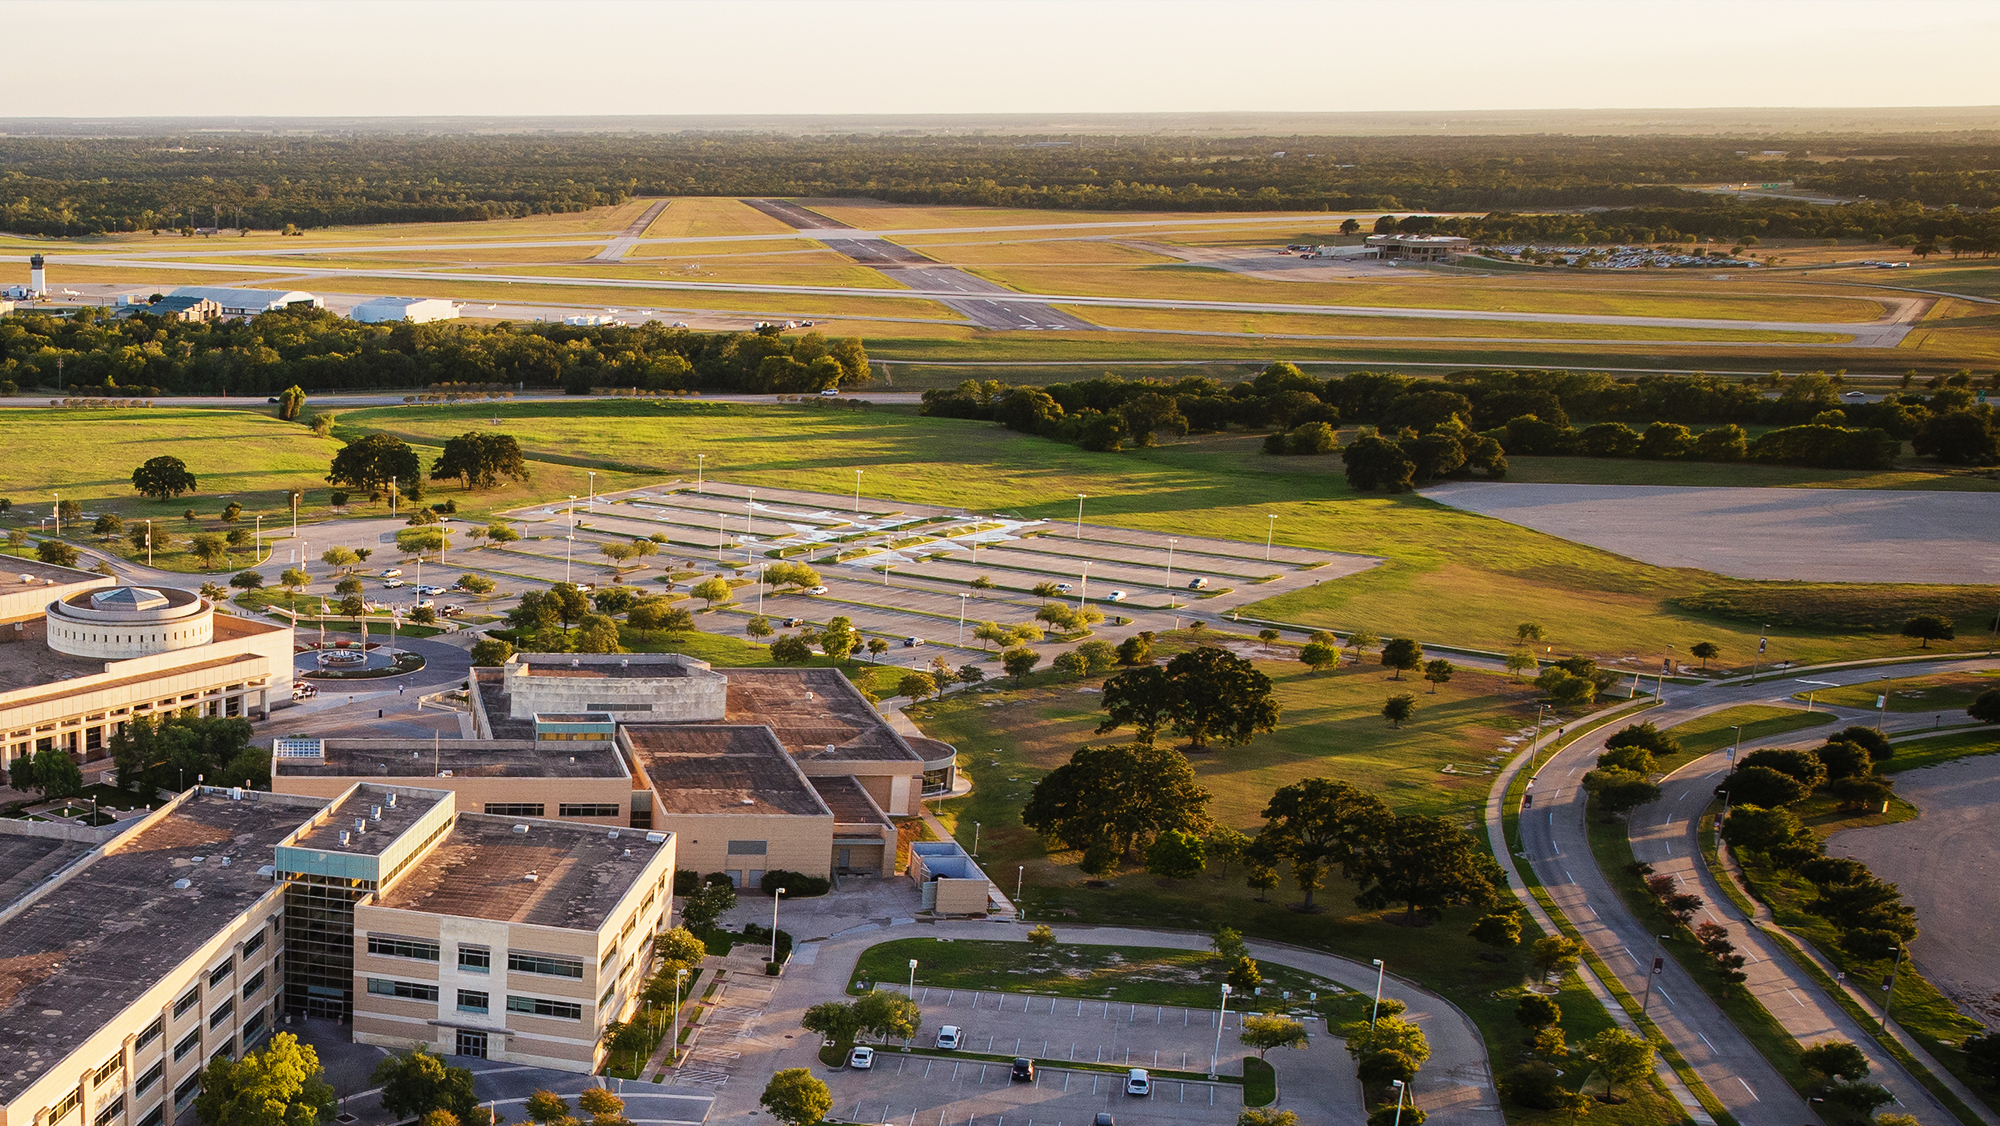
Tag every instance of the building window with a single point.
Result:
(222, 1013)
(604, 1002)
(475, 959)
(186, 1002)
(187, 1089)
(403, 948)
(66, 1107)
(588, 809)
(407, 990)
(111, 1067)
(155, 1117)
(547, 964)
(543, 1007)
(147, 1037)
(515, 808)
(748, 848)
(255, 983)
(255, 944)
(188, 1044)
(471, 1001)
(220, 972)
(251, 1027)
(110, 1111)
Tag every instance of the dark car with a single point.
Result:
(1024, 1068)
(1103, 1119)
(272, 399)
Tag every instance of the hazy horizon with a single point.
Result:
(507, 59)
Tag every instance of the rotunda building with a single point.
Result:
(121, 622)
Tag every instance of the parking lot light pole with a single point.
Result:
(1270, 532)
(913, 979)
(1735, 741)
(1171, 603)
(591, 504)
(962, 596)
(149, 541)
(1399, 1101)
(975, 839)
(775, 899)
(718, 537)
(1083, 591)
(1079, 516)
(698, 460)
(760, 589)
(1380, 969)
(1215, 1057)
(747, 506)
(857, 492)
(1652, 970)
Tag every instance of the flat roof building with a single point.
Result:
(1420, 248)
(415, 310)
(81, 656)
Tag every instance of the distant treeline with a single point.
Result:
(66, 187)
(1488, 414)
(320, 351)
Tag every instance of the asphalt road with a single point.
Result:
(1554, 837)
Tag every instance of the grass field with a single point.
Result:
(696, 218)
(1949, 693)
(1141, 975)
(1450, 576)
(1344, 325)
(1715, 730)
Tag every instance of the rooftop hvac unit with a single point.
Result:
(183, 885)
(614, 834)
(360, 825)
(656, 838)
(520, 828)
(268, 871)
(375, 813)
(392, 801)
(531, 877)
(444, 774)
(225, 862)
(235, 793)
(345, 837)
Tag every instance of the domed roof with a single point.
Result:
(127, 598)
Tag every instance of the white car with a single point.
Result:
(392, 572)
(1115, 596)
(1137, 1082)
(430, 590)
(861, 1059)
(817, 590)
(829, 393)
(949, 1037)
(393, 583)
(1062, 588)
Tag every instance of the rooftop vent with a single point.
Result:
(375, 812)
(268, 871)
(392, 801)
(614, 834)
(809, 697)
(531, 877)
(197, 859)
(235, 793)
(444, 774)
(520, 828)
(225, 862)
(572, 758)
(575, 662)
(627, 852)
(345, 837)
(625, 663)
(829, 748)
(656, 838)
(360, 825)
(183, 885)
(27, 578)
(748, 801)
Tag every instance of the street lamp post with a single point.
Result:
(774, 922)
(680, 975)
(591, 504)
(295, 514)
(1399, 1101)
(1763, 637)
(1380, 969)
(962, 596)
(760, 588)
(718, 537)
(748, 505)
(1270, 533)
(1215, 1057)
(58, 497)
(699, 460)
(913, 979)
(1894, 968)
(1079, 516)
(1735, 740)
(975, 839)
(857, 491)
(258, 554)
(1172, 604)
(1083, 590)
(1020, 877)
(149, 542)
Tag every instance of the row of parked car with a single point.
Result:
(1138, 1081)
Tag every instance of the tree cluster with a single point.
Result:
(314, 348)
(1208, 694)
(1426, 864)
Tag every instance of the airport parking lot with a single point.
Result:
(896, 570)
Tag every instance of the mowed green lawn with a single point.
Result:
(1449, 576)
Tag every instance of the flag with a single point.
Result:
(1761, 642)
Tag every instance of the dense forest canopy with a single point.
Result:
(70, 187)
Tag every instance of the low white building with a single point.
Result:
(415, 310)
(250, 302)
(1419, 248)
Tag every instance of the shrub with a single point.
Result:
(796, 884)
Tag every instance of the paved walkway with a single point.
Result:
(1455, 1088)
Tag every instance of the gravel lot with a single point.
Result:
(1821, 535)
(1947, 863)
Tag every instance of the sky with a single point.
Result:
(119, 58)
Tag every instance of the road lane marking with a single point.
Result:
(1746, 1087)
(1705, 1040)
